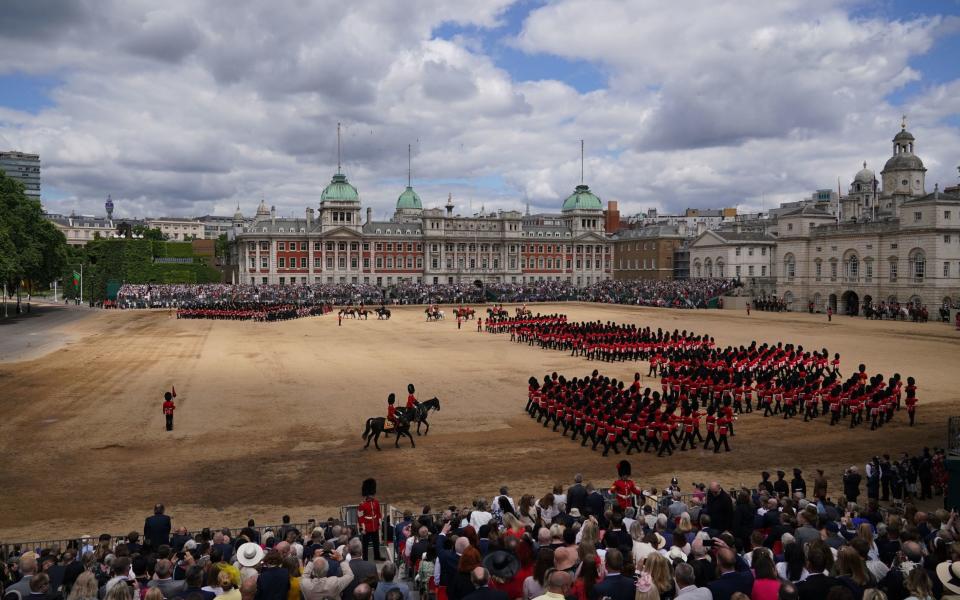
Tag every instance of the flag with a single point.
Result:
(76, 279)
(173, 390)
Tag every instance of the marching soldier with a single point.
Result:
(369, 516)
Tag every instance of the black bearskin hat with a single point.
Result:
(391, 398)
(410, 388)
(168, 396)
(623, 468)
(369, 487)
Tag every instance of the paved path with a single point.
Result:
(30, 335)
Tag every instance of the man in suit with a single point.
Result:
(817, 585)
(614, 585)
(596, 505)
(577, 494)
(364, 571)
(730, 580)
(481, 580)
(156, 528)
(165, 582)
(685, 581)
(28, 568)
(447, 557)
(387, 574)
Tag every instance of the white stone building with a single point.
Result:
(745, 255)
(892, 242)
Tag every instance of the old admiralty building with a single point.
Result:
(341, 243)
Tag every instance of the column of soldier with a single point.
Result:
(250, 311)
(698, 382)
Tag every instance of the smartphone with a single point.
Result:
(708, 543)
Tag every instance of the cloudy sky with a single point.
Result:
(185, 107)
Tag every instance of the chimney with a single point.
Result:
(369, 214)
(612, 221)
(309, 217)
(273, 215)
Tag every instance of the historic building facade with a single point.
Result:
(646, 252)
(891, 242)
(747, 255)
(336, 244)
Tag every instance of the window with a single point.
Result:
(303, 246)
(303, 262)
(379, 262)
(316, 246)
(918, 263)
(853, 268)
(317, 263)
(789, 226)
(737, 251)
(946, 214)
(749, 272)
(946, 269)
(737, 270)
(946, 239)
(366, 246)
(342, 263)
(750, 251)
(264, 262)
(763, 271)
(281, 246)
(917, 216)
(329, 262)
(833, 270)
(281, 262)
(763, 251)
(893, 269)
(818, 270)
(389, 262)
(330, 246)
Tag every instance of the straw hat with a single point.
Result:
(249, 554)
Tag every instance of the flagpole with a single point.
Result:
(4, 299)
(81, 284)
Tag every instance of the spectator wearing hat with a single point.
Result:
(780, 486)
(318, 584)
(248, 558)
(480, 577)
(503, 569)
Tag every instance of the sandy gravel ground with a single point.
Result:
(270, 415)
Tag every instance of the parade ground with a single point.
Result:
(270, 415)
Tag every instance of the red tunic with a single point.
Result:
(168, 407)
(369, 515)
(411, 401)
(624, 489)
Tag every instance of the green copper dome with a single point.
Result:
(409, 199)
(340, 190)
(582, 199)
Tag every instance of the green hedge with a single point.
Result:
(131, 261)
(173, 249)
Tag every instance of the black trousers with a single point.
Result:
(368, 539)
(169, 422)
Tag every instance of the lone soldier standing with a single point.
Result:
(368, 518)
(168, 408)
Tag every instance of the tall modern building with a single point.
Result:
(25, 168)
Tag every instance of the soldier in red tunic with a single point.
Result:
(369, 516)
(411, 398)
(168, 408)
(391, 412)
(624, 488)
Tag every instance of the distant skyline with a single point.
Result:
(183, 108)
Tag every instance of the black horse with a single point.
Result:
(420, 413)
(383, 313)
(377, 425)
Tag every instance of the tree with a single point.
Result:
(149, 234)
(32, 250)
(125, 230)
(222, 249)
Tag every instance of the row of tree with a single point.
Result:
(33, 252)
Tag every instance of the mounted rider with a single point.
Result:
(412, 403)
(391, 413)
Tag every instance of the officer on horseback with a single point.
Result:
(391, 414)
(412, 403)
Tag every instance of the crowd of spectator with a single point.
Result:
(782, 539)
(694, 293)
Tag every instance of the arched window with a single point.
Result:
(719, 267)
(708, 267)
(697, 269)
(818, 269)
(918, 265)
(853, 268)
(790, 266)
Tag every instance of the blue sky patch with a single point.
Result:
(582, 75)
(28, 93)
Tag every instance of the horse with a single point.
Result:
(377, 426)
(361, 312)
(419, 413)
(348, 312)
(383, 313)
(464, 312)
(433, 314)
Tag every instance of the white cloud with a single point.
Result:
(191, 108)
